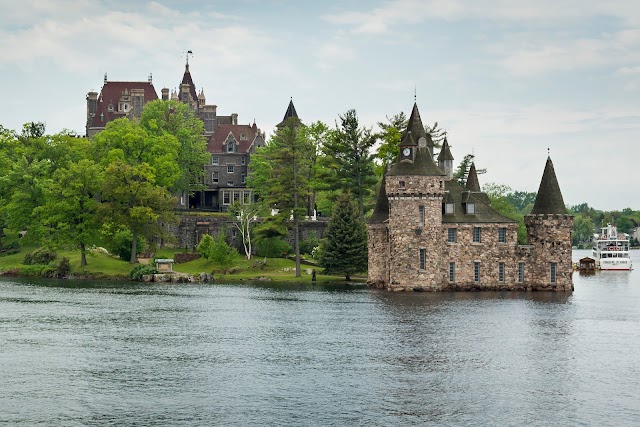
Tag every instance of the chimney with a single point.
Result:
(165, 94)
(234, 118)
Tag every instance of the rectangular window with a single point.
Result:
(476, 234)
(502, 235)
(476, 272)
(471, 208)
(215, 160)
(243, 160)
(236, 196)
(230, 183)
(401, 184)
(553, 267)
(452, 235)
(243, 178)
(247, 197)
(226, 198)
(421, 214)
(448, 208)
(521, 272)
(214, 177)
(501, 272)
(423, 259)
(230, 169)
(452, 271)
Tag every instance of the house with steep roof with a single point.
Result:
(229, 143)
(428, 232)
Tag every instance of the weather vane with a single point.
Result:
(187, 55)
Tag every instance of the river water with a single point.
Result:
(104, 353)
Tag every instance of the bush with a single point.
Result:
(138, 271)
(39, 256)
(120, 245)
(273, 247)
(32, 270)
(63, 269)
(309, 244)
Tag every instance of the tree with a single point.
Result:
(344, 248)
(175, 119)
(222, 254)
(389, 136)
(244, 216)
(460, 174)
(499, 198)
(132, 199)
(316, 135)
(204, 247)
(71, 205)
(583, 229)
(347, 155)
(279, 175)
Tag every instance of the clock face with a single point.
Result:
(406, 151)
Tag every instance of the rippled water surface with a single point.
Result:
(86, 353)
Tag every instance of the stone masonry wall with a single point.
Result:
(550, 238)
(378, 246)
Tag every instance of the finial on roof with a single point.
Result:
(150, 77)
(548, 152)
(415, 93)
(105, 77)
(189, 53)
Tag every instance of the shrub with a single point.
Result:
(39, 256)
(138, 271)
(63, 268)
(32, 270)
(273, 247)
(120, 244)
(307, 245)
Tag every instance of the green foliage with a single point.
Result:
(310, 243)
(32, 270)
(138, 271)
(344, 248)
(273, 247)
(63, 268)
(461, 172)
(244, 216)
(348, 156)
(389, 136)
(39, 256)
(223, 255)
(499, 195)
(204, 247)
(120, 244)
(583, 229)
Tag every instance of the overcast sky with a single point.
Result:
(508, 79)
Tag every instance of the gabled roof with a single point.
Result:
(291, 112)
(217, 142)
(445, 153)
(460, 196)
(549, 198)
(472, 183)
(186, 78)
(110, 95)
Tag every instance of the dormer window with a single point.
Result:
(448, 208)
(471, 208)
(230, 147)
(243, 137)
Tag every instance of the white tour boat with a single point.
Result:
(611, 249)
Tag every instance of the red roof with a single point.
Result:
(217, 141)
(110, 95)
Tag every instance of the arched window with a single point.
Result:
(230, 147)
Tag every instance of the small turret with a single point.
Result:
(472, 180)
(445, 159)
(165, 94)
(549, 198)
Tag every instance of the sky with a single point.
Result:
(510, 80)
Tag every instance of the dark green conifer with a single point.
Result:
(344, 248)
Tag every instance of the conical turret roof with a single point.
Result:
(472, 180)
(381, 211)
(291, 112)
(549, 199)
(186, 79)
(445, 153)
(415, 126)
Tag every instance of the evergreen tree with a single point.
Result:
(222, 254)
(460, 174)
(344, 248)
(204, 247)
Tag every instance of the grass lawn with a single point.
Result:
(100, 264)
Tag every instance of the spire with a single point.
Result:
(549, 199)
(415, 126)
(472, 180)
(445, 153)
(291, 112)
(186, 79)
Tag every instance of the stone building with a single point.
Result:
(229, 143)
(429, 233)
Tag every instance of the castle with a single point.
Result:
(230, 144)
(429, 233)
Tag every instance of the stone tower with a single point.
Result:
(415, 190)
(445, 159)
(92, 107)
(549, 228)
